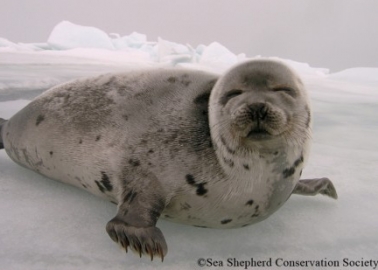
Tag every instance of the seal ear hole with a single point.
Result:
(231, 94)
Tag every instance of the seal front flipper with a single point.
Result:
(134, 225)
(2, 122)
(311, 187)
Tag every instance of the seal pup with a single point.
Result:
(188, 146)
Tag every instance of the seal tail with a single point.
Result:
(2, 122)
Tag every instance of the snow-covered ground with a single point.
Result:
(48, 225)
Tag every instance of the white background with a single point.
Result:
(335, 34)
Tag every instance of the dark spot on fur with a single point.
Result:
(190, 180)
(246, 166)
(255, 215)
(150, 151)
(98, 138)
(300, 174)
(172, 79)
(113, 202)
(51, 153)
(250, 202)
(40, 118)
(106, 182)
(225, 221)
(134, 162)
(257, 207)
(81, 141)
(201, 190)
(154, 215)
(245, 225)
(130, 196)
(84, 186)
(200, 226)
(167, 216)
(126, 117)
(229, 162)
(184, 80)
(275, 153)
(288, 172)
(100, 187)
(228, 148)
(298, 161)
(202, 98)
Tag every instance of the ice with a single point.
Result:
(67, 35)
(48, 225)
(358, 75)
(134, 40)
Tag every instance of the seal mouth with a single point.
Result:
(259, 134)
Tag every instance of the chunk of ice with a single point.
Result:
(67, 35)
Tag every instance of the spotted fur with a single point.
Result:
(190, 146)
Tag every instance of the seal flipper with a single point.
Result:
(134, 224)
(2, 122)
(311, 187)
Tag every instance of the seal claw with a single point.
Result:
(149, 252)
(143, 241)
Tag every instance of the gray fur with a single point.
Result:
(312, 187)
(2, 122)
(171, 143)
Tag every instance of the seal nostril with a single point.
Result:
(258, 111)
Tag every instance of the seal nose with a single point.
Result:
(258, 111)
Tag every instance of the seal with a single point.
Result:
(188, 146)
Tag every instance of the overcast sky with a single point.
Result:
(335, 34)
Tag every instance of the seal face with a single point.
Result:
(184, 145)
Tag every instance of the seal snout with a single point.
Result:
(258, 120)
(258, 114)
(251, 116)
(258, 111)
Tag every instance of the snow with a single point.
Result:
(48, 225)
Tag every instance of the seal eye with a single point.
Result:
(282, 89)
(229, 95)
(286, 90)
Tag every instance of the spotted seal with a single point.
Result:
(188, 146)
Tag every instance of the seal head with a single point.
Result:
(259, 104)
